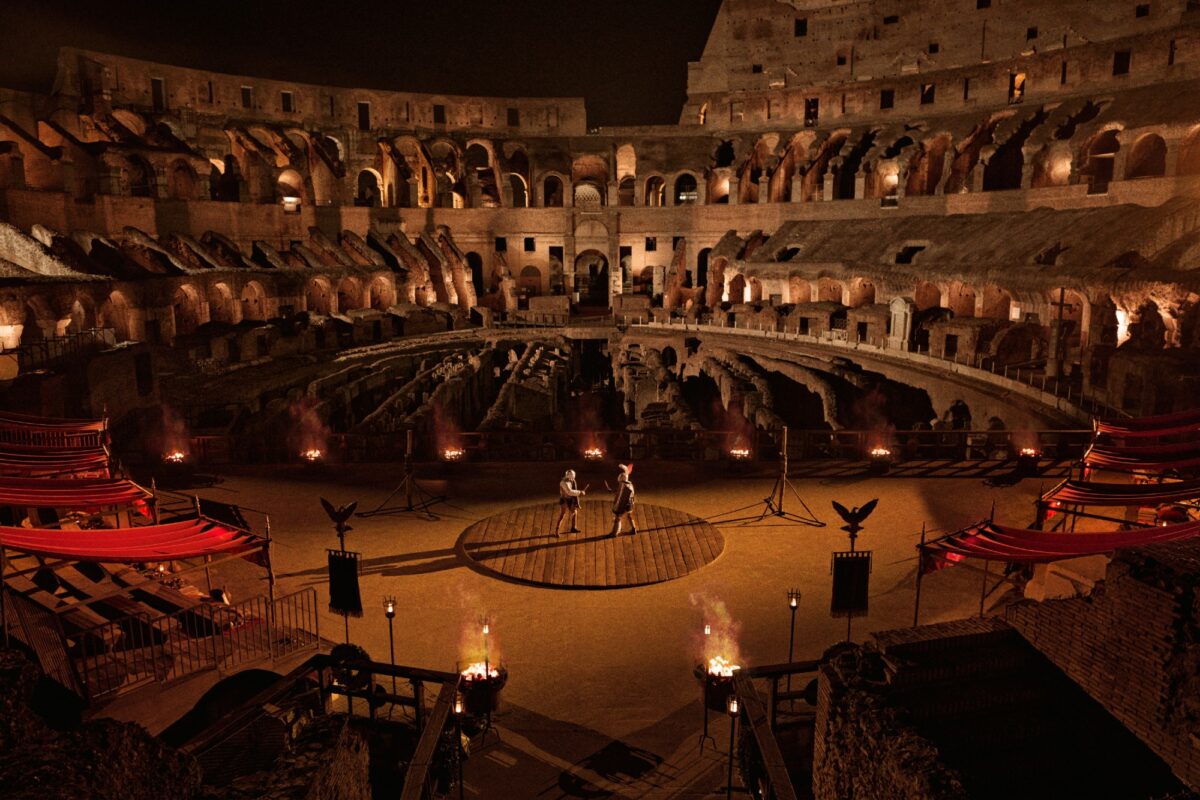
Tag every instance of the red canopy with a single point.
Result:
(175, 540)
(9, 418)
(1159, 458)
(1087, 493)
(71, 493)
(47, 432)
(1161, 425)
(40, 463)
(1000, 543)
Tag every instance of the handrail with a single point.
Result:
(416, 778)
(754, 716)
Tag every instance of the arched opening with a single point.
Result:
(997, 303)
(349, 296)
(656, 192)
(756, 290)
(479, 163)
(475, 264)
(289, 184)
(685, 190)
(37, 317)
(723, 155)
(529, 283)
(737, 289)
(799, 290)
(862, 292)
(829, 290)
(181, 181)
(1147, 158)
(516, 186)
(552, 192)
(83, 315)
(185, 305)
(370, 189)
(626, 162)
(1051, 167)
(254, 301)
(927, 167)
(961, 299)
(220, 304)
(626, 191)
(591, 269)
(382, 295)
(1099, 165)
(115, 314)
(318, 297)
(702, 266)
(141, 177)
(1189, 154)
(927, 295)
(225, 181)
(643, 282)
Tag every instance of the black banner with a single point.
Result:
(851, 582)
(344, 597)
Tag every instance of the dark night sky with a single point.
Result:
(628, 58)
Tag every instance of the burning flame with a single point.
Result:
(719, 642)
(453, 454)
(593, 454)
(480, 671)
(721, 668)
(312, 454)
(1029, 452)
(175, 457)
(880, 452)
(739, 453)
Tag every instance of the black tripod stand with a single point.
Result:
(417, 500)
(772, 509)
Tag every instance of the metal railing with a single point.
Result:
(138, 649)
(34, 355)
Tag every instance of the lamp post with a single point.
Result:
(487, 652)
(793, 596)
(732, 705)
(389, 608)
(458, 712)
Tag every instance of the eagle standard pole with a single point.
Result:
(920, 574)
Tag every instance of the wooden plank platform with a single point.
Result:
(519, 545)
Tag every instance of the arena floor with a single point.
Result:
(601, 701)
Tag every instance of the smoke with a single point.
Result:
(308, 430)
(174, 436)
(722, 638)
(475, 646)
(869, 412)
(446, 429)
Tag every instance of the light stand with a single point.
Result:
(416, 498)
(458, 712)
(773, 504)
(389, 608)
(704, 693)
(733, 718)
(793, 596)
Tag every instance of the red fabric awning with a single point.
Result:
(9, 418)
(1143, 459)
(34, 462)
(71, 493)
(1161, 425)
(1087, 493)
(1000, 543)
(175, 540)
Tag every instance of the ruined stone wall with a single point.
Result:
(1134, 646)
(862, 750)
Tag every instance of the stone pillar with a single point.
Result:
(734, 184)
(798, 189)
(827, 185)
(1171, 163)
(614, 194)
(901, 310)
(860, 185)
(764, 189)
(1126, 139)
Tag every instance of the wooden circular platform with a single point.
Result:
(520, 545)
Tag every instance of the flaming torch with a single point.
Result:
(716, 679)
(312, 455)
(482, 681)
(880, 459)
(175, 457)
(1027, 460)
(593, 453)
(453, 454)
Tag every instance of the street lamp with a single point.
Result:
(793, 596)
(389, 608)
(487, 652)
(732, 706)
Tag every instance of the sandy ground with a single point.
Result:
(601, 700)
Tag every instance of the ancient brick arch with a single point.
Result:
(829, 290)
(799, 289)
(318, 296)
(349, 294)
(1189, 154)
(927, 167)
(927, 295)
(1147, 157)
(221, 307)
(553, 190)
(381, 293)
(117, 313)
(862, 292)
(254, 301)
(656, 191)
(186, 309)
(960, 298)
(182, 183)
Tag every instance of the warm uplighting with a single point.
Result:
(175, 457)
(453, 454)
(311, 455)
(720, 667)
(593, 454)
(480, 671)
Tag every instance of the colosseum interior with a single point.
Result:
(935, 254)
